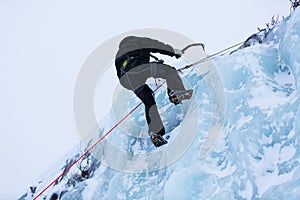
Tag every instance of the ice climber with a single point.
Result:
(134, 68)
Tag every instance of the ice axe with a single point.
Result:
(207, 57)
(192, 45)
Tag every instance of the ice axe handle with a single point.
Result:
(192, 45)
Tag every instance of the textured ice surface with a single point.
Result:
(258, 154)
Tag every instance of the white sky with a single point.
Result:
(44, 43)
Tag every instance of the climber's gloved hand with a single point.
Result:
(202, 45)
(178, 53)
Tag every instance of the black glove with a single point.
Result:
(178, 53)
(202, 45)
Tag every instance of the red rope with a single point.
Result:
(93, 146)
